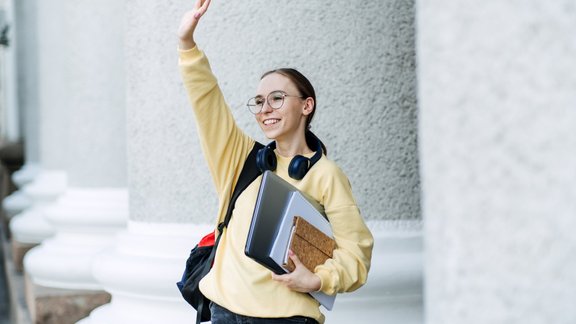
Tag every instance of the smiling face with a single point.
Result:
(289, 122)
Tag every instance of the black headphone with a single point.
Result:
(299, 166)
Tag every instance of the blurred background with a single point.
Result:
(454, 122)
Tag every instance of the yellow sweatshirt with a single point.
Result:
(237, 282)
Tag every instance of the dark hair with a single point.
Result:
(305, 89)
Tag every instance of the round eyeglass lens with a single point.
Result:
(275, 99)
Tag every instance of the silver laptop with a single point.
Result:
(273, 197)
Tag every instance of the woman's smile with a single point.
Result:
(270, 121)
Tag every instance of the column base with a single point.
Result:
(26, 174)
(86, 223)
(30, 225)
(16, 203)
(141, 274)
(142, 278)
(394, 291)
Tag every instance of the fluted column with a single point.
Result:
(30, 227)
(95, 204)
(497, 82)
(25, 42)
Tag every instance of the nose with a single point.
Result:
(266, 107)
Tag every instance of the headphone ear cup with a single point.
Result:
(298, 167)
(266, 159)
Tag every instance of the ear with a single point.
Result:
(309, 106)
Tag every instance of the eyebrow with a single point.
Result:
(260, 95)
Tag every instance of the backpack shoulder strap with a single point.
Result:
(249, 173)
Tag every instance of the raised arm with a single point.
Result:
(224, 145)
(189, 22)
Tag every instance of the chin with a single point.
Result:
(272, 135)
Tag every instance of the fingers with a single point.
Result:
(301, 279)
(201, 8)
(189, 22)
(294, 258)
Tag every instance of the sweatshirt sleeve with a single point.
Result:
(224, 145)
(348, 268)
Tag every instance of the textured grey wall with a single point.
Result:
(360, 58)
(167, 175)
(497, 98)
(95, 92)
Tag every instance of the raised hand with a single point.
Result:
(189, 22)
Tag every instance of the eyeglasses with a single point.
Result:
(275, 101)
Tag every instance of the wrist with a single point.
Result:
(187, 44)
(316, 283)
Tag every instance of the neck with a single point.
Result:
(296, 146)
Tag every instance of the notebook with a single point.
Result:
(313, 213)
(297, 205)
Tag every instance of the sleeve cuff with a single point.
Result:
(325, 282)
(189, 54)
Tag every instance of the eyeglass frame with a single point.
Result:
(266, 100)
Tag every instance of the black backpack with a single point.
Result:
(202, 255)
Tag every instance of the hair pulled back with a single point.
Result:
(305, 89)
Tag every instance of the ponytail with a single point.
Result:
(311, 140)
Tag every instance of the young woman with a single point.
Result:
(241, 289)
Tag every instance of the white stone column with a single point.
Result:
(172, 203)
(393, 293)
(95, 205)
(497, 91)
(361, 60)
(26, 44)
(30, 227)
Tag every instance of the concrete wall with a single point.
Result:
(360, 59)
(497, 87)
(168, 178)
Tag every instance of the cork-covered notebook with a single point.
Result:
(310, 245)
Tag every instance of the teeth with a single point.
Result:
(270, 121)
